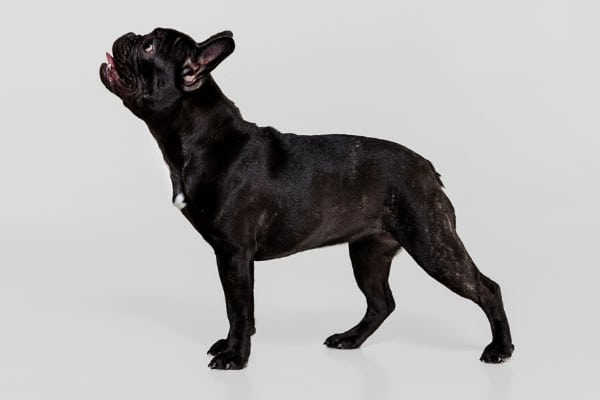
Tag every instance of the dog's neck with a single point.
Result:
(202, 118)
(203, 114)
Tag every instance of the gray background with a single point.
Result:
(107, 292)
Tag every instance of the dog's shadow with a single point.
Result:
(425, 330)
(302, 327)
(206, 323)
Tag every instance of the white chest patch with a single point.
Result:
(179, 201)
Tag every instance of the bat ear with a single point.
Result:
(206, 57)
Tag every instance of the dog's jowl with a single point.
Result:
(254, 193)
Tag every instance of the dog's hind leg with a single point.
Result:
(436, 247)
(371, 259)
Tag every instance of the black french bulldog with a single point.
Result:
(255, 194)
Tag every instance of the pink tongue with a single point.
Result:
(110, 59)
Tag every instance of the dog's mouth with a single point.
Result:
(112, 79)
(111, 70)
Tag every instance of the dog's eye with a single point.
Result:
(149, 48)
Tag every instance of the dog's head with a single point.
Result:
(152, 73)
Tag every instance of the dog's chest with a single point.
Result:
(179, 201)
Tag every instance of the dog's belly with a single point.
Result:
(290, 242)
(291, 231)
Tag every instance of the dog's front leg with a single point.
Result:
(236, 278)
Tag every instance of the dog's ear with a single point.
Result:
(207, 56)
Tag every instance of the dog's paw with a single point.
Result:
(229, 359)
(179, 201)
(218, 347)
(343, 341)
(495, 353)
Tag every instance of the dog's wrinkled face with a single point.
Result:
(152, 73)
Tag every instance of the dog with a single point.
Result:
(255, 194)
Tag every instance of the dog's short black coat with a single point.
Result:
(254, 193)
